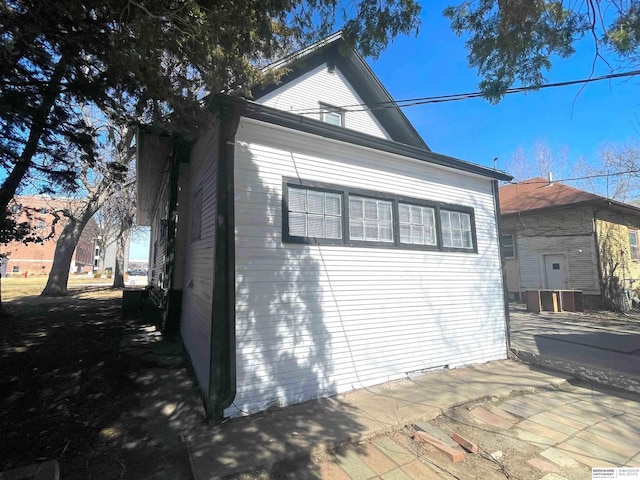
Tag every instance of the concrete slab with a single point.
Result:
(542, 430)
(351, 463)
(596, 451)
(376, 460)
(308, 430)
(558, 423)
(560, 458)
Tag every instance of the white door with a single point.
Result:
(555, 273)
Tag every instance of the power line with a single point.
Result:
(586, 177)
(411, 102)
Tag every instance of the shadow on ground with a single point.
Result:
(106, 397)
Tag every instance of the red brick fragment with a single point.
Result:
(452, 454)
(468, 445)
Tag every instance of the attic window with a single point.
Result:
(332, 115)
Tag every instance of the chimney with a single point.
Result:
(550, 178)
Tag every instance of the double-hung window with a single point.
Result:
(370, 219)
(456, 229)
(417, 224)
(314, 213)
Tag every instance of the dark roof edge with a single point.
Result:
(598, 201)
(316, 127)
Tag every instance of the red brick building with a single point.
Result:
(36, 258)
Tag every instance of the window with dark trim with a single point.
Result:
(15, 269)
(633, 244)
(332, 115)
(315, 213)
(417, 224)
(196, 216)
(456, 229)
(508, 246)
(370, 219)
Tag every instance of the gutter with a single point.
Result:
(222, 369)
(316, 127)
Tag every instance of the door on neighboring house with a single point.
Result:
(555, 272)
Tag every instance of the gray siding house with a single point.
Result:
(308, 245)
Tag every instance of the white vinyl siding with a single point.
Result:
(195, 325)
(417, 224)
(314, 92)
(314, 320)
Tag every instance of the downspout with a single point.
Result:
(222, 371)
(505, 292)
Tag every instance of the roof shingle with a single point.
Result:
(537, 193)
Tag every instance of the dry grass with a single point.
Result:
(20, 289)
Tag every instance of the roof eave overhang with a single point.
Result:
(152, 156)
(316, 127)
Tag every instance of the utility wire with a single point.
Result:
(410, 102)
(586, 177)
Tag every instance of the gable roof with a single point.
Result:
(333, 51)
(537, 194)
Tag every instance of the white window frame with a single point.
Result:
(380, 221)
(633, 246)
(329, 111)
(456, 232)
(415, 225)
(310, 213)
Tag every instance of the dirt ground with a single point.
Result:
(84, 386)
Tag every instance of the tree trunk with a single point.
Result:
(65, 246)
(118, 274)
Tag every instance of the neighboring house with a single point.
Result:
(558, 237)
(308, 245)
(36, 258)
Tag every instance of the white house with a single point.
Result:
(311, 243)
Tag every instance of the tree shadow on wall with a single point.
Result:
(283, 347)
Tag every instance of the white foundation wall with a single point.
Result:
(313, 321)
(322, 85)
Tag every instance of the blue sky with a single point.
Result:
(435, 63)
